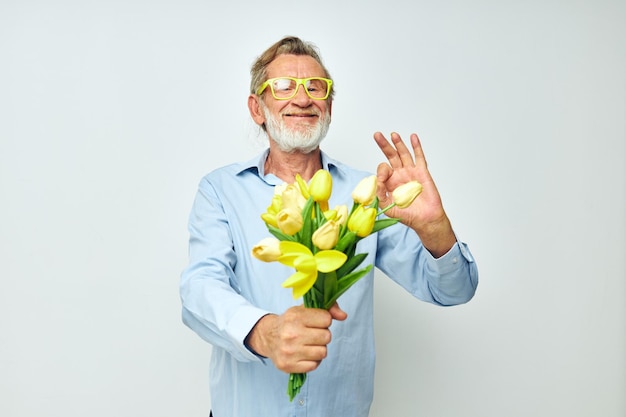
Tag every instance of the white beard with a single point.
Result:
(304, 140)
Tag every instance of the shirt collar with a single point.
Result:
(257, 165)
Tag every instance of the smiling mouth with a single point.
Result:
(303, 115)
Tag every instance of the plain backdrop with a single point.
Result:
(112, 111)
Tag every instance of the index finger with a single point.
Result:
(397, 153)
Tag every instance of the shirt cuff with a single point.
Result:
(452, 259)
(240, 326)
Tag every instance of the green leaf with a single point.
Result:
(319, 282)
(383, 223)
(344, 283)
(280, 235)
(375, 203)
(330, 286)
(351, 264)
(307, 227)
(319, 216)
(345, 242)
(313, 298)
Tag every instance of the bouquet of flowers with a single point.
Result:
(319, 242)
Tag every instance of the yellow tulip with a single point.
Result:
(270, 218)
(330, 214)
(289, 220)
(342, 214)
(321, 186)
(307, 265)
(292, 198)
(278, 189)
(365, 191)
(404, 195)
(267, 250)
(276, 205)
(304, 189)
(361, 222)
(339, 214)
(326, 236)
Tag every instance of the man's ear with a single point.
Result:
(255, 109)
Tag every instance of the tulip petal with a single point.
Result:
(305, 263)
(304, 189)
(365, 191)
(330, 260)
(362, 220)
(404, 195)
(326, 236)
(294, 247)
(288, 259)
(292, 198)
(300, 282)
(320, 186)
(300, 290)
(291, 251)
(289, 221)
(342, 214)
(270, 219)
(267, 250)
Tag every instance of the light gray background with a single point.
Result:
(111, 111)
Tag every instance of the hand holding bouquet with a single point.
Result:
(319, 242)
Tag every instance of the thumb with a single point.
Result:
(337, 313)
(383, 173)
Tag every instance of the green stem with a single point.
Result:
(296, 381)
(387, 208)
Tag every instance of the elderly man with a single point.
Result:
(259, 333)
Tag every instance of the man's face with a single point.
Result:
(300, 123)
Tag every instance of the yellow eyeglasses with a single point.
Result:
(285, 88)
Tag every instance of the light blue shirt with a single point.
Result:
(225, 291)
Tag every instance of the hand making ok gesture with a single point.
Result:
(426, 214)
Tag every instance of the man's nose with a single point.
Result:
(301, 96)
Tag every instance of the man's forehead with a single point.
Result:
(295, 65)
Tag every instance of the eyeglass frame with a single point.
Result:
(299, 81)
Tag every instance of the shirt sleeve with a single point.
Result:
(212, 305)
(449, 280)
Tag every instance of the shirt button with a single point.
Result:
(301, 402)
(455, 260)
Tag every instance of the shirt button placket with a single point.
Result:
(300, 407)
(300, 402)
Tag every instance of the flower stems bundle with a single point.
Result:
(320, 243)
